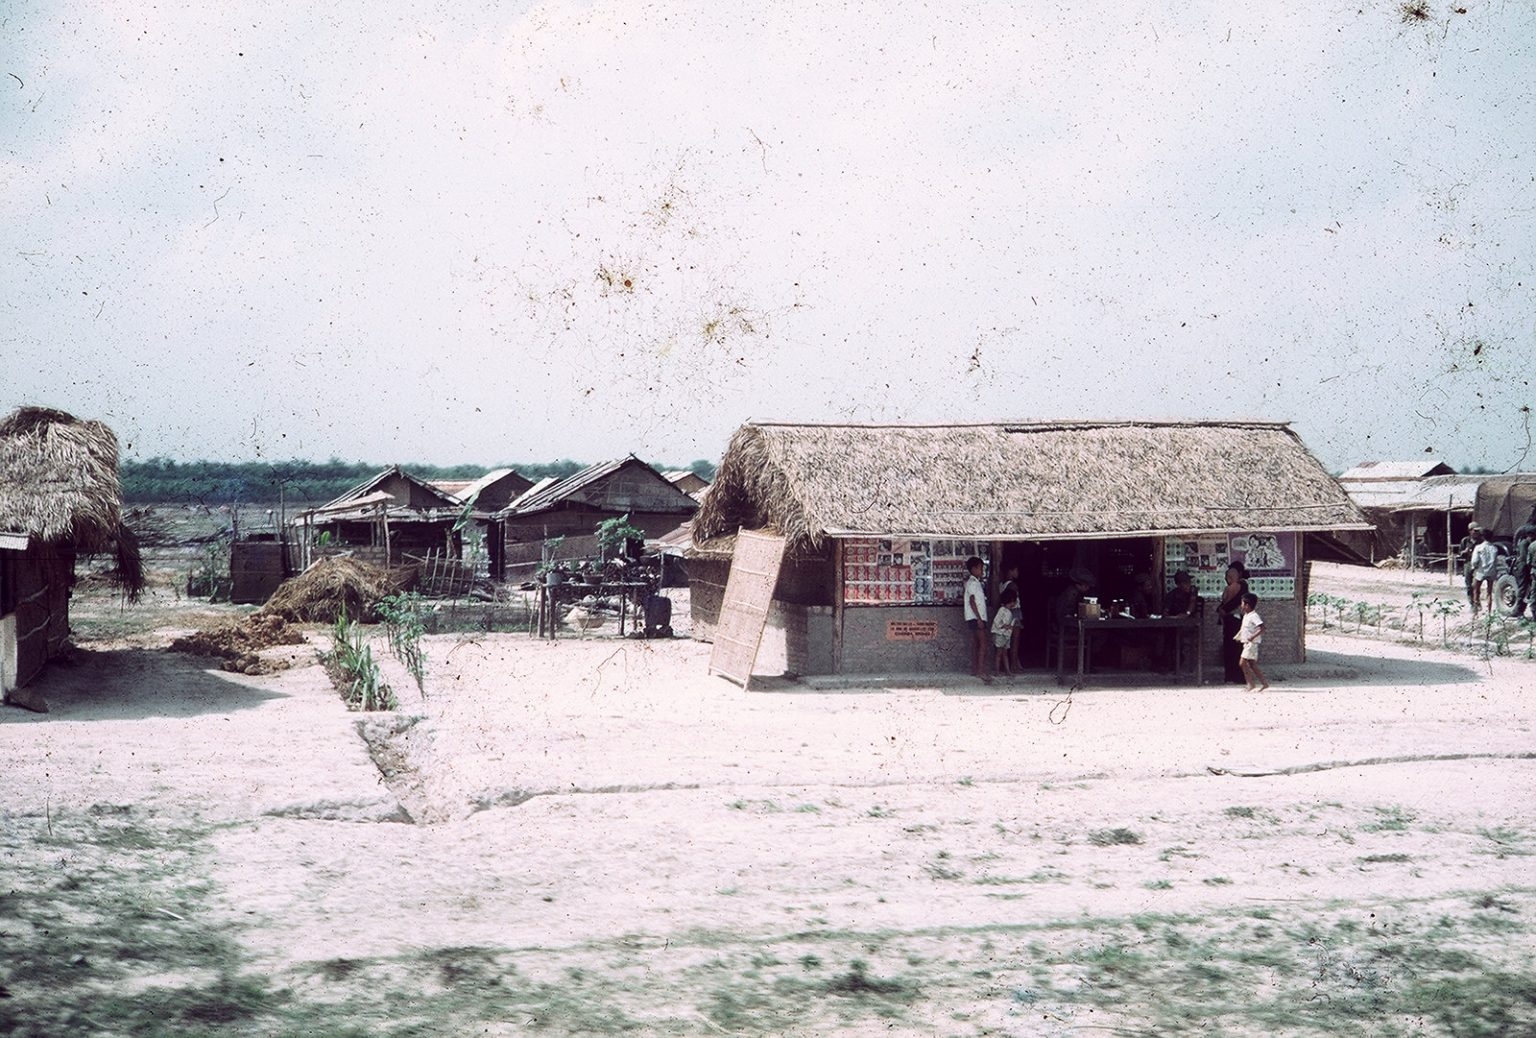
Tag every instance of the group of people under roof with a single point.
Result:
(995, 635)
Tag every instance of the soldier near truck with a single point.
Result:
(1506, 513)
(1524, 564)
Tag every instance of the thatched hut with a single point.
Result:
(571, 508)
(879, 520)
(59, 498)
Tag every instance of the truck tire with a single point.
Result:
(1506, 594)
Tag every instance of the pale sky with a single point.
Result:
(481, 232)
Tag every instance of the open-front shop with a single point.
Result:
(880, 521)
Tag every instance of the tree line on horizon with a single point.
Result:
(163, 480)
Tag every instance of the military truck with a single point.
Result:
(1504, 504)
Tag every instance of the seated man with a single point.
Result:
(1183, 600)
(1072, 595)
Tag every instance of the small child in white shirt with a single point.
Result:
(1003, 625)
(1251, 634)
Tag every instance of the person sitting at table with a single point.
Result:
(1142, 602)
(1183, 600)
(1071, 596)
(1064, 609)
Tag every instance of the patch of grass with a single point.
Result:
(1217, 881)
(1112, 837)
(1390, 819)
(1507, 842)
(857, 981)
(941, 868)
(1384, 859)
(1239, 812)
(1158, 884)
(1178, 850)
(880, 811)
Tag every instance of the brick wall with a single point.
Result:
(866, 650)
(1284, 633)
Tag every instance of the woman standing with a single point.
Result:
(1230, 609)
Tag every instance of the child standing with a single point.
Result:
(1251, 634)
(976, 617)
(1003, 626)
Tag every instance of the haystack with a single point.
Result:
(337, 585)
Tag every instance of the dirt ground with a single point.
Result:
(595, 836)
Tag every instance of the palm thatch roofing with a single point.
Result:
(1020, 481)
(59, 485)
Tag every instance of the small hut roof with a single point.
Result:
(590, 487)
(1379, 471)
(437, 498)
(1442, 494)
(59, 484)
(1020, 481)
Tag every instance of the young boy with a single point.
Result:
(976, 618)
(1003, 626)
(1251, 634)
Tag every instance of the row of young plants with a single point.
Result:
(1499, 635)
(355, 670)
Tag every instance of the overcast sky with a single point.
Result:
(482, 232)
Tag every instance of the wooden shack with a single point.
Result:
(571, 508)
(59, 498)
(1381, 489)
(382, 519)
(880, 519)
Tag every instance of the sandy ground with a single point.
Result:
(595, 836)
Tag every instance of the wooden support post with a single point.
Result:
(1450, 549)
(837, 607)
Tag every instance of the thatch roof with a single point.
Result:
(59, 484)
(1020, 481)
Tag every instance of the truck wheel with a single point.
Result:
(1506, 594)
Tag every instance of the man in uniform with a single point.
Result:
(1525, 537)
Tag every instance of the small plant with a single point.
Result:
(355, 671)
(404, 626)
(1445, 608)
(614, 535)
(1421, 604)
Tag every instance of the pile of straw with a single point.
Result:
(335, 585)
(237, 639)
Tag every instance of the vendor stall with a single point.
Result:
(880, 520)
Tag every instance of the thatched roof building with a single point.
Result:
(1020, 481)
(59, 497)
(881, 521)
(59, 486)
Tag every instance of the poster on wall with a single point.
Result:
(1204, 558)
(880, 571)
(1271, 560)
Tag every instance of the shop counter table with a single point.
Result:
(1172, 627)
